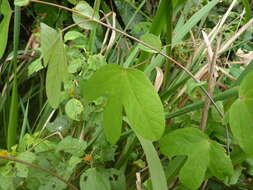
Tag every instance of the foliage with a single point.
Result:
(91, 100)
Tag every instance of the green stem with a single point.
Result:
(13, 116)
(195, 106)
(93, 32)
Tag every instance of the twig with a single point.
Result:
(40, 168)
(138, 181)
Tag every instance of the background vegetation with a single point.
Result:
(126, 94)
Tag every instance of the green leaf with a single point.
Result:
(49, 38)
(53, 55)
(72, 145)
(152, 40)
(73, 109)
(6, 12)
(201, 152)
(70, 166)
(35, 66)
(22, 170)
(241, 115)
(131, 90)
(72, 35)
(75, 65)
(86, 12)
(95, 180)
(6, 183)
(21, 2)
(174, 167)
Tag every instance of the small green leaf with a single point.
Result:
(129, 89)
(75, 65)
(72, 35)
(86, 12)
(72, 145)
(54, 55)
(241, 115)
(152, 40)
(202, 154)
(73, 109)
(21, 3)
(35, 66)
(6, 12)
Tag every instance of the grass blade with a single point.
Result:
(13, 116)
(154, 164)
(182, 31)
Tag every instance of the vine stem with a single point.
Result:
(140, 42)
(40, 168)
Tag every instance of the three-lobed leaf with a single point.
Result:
(201, 152)
(127, 89)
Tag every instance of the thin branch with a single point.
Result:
(140, 42)
(40, 168)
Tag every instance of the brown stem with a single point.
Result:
(211, 85)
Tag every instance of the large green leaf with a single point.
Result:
(201, 152)
(6, 12)
(131, 90)
(54, 55)
(241, 115)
